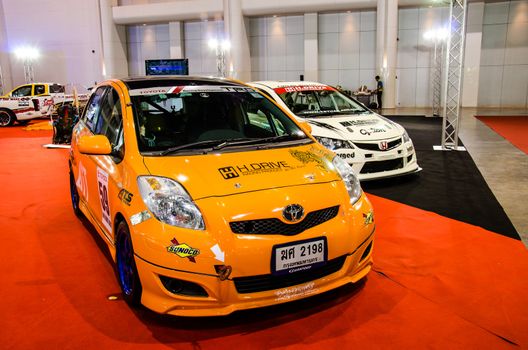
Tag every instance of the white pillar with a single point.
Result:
(114, 48)
(470, 82)
(238, 60)
(6, 82)
(176, 40)
(311, 48)
(386, 49)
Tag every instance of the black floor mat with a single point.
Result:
(450, 183)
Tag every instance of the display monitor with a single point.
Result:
(167, 67)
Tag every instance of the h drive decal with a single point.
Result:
(183, 250)
(102, 184)
(231, 172)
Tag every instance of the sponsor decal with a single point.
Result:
(82, 183)
(324, 125)
(284, 89)
(102, 184)
(125, 196)
(347, 155)
(198, 89)
(368, 217)
(359, 122)
(295, 292)
(371, 131)
(234, 171)
(307, 157)
(140, 217)
(183, 250)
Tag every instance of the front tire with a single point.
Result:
(127, 273)
(7, 118)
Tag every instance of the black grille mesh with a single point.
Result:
(262, 283)
(375, 146)
(274, 226)
(383, 165)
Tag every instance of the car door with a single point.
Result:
(107, 169)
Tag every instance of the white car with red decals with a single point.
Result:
(34, 100)
(374, 146)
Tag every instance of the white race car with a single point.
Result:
(374, 146)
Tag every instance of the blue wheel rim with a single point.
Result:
(74, 194)
(125, 264)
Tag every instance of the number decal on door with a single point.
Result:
(102, 184)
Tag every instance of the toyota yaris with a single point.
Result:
(372, 145)
(212, 199)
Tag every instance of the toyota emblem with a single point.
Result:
(293, 212)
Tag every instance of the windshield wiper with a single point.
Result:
(193, 145)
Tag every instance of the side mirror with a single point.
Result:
(307, 128)
(96, 145)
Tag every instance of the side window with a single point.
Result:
(22, 91)
(110, 119)
(91, 112)
(40, 89)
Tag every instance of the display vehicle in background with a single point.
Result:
(374, 146)
(35, 100)
(212, 199)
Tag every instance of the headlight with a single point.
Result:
(333, 144)
(349, 178)
(406, 137)
(169, 202)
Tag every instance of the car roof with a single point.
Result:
(278, 84)
(172, 80)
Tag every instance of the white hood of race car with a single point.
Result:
(357, 127)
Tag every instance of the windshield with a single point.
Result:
(318, 100)
(177, 119)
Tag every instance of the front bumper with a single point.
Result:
(375, 164)
(349, 235)
(223, 297)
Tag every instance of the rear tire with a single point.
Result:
(127, 274)
(74, 195)
(7, 117)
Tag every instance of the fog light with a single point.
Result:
(177, 286)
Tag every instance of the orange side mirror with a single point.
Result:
(96, 145)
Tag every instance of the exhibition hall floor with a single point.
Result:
(437, 282)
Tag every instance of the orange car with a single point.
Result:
(213, 199)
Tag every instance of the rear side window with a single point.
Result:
(40, 89)
(93, 107)
(56, 88)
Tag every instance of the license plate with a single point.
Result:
(298, 256)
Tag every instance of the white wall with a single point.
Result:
(65, 32)
(202, 60)
(504, 60)
(276, 47)
(146, 42)
(347, 49)
(415, 54)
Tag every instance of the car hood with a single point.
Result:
(227, 173)
(358, 127)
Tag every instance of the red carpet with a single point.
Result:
(437, 283)
(512, 128)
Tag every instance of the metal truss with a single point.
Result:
(1, 82)
(436, 76)
(28, 71)
(453, 74)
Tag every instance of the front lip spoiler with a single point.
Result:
(417, 170)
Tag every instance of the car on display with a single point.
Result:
(374, 146)
(35, 100)
(212, 199)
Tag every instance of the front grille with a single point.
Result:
(383, 165)
(263, 283)
(375, 146)
(274, 226)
